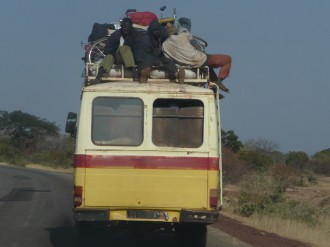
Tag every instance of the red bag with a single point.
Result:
(142, 18)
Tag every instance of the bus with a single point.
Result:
(147, 155)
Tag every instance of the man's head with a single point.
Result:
(184, 24)
(170, 29)
(126, 26)
(156, 29)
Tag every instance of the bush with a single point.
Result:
(55, 152)
(288, 176)
(257, 192)
(284, 175)
(296, 211)
(263, 193)
(297, 159)
(52, 151)
(323, 155)
(320, 166)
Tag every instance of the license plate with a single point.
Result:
(146, 214)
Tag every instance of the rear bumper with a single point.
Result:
(200, 216)
(185, 215)
(91, 214)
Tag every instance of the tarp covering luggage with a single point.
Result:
(100, 31)
(142, 18)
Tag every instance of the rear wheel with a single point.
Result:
(192, 234)
(84, 232)
(199, 43)
(84, 228)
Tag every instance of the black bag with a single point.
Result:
(100, 31)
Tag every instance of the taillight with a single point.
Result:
(77, 196)
(214, 198)
(87, 47)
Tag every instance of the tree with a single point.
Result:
(233, 168)
(262, 144)
(267, 148)
(257, 161)
(320, 162)
(323, 155)
(297, 159)
(25, 130)
(230, 139)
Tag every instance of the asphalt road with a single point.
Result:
(36, 211)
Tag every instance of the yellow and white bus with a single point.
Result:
(148, 153)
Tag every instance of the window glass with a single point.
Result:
(117, 121)
(178, 123)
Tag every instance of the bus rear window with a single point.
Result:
(178, 123)
(117, 121)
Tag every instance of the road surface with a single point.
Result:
(36, 211)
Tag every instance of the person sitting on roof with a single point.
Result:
(148, 52)
(118, 48)
(179, 48)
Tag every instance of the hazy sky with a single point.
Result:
(280, 78)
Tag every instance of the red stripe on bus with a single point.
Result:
(79, 160)
(146, 162)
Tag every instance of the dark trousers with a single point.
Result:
(163, 62)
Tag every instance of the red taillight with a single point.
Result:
(87, 47)
(214, 198)
(77, 196)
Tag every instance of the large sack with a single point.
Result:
(142, 18)
(100, 31)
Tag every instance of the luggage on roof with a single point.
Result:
(100, 31)
(142, 18)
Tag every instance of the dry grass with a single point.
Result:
(314, 193)
(317, 195)
(318, 235)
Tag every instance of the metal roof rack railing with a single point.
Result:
(198, 75)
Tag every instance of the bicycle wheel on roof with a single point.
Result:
(95, 53)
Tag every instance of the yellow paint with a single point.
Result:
(146, 188)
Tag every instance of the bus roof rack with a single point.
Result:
(195, 76)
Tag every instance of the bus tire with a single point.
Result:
(192, 234)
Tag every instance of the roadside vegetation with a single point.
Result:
(284, 193)
(26, 139)
(288, 194)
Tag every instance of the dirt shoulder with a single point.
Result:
(253, 236)
(45, 168)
